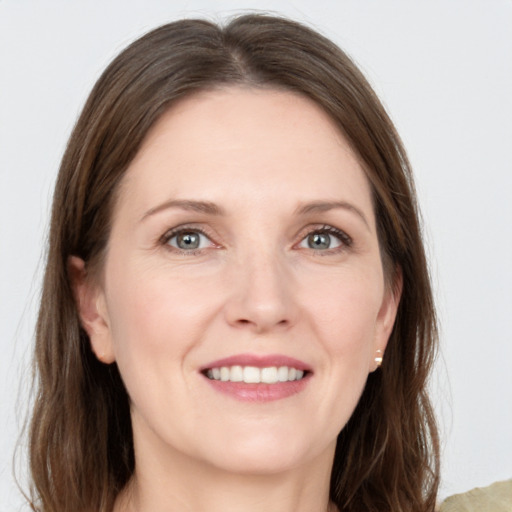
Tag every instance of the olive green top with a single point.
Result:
(495, 498)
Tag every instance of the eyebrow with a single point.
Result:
(324, 206)
(185, 204)
(210, 208)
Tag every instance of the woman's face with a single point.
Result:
(243, 294)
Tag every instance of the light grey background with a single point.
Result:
(444, 71)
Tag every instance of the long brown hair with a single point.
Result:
(81, 448)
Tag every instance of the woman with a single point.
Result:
(236, 312)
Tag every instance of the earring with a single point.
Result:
(378, 358)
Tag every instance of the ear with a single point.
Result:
(386, 318)
(90, 301)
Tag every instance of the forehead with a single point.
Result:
(235, 113)
(244, 143)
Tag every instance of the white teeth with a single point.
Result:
(269, 375)
(282, 373)
(254, 375)
(236, 374)
(224, 374)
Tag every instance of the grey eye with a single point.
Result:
(189, 240)
(321, 241)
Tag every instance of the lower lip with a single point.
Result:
(259, 392)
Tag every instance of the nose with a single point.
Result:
(262, 297)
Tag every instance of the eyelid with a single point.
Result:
(343, 237)
(346, 241)
(184, 228)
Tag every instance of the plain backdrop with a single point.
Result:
(444, 71)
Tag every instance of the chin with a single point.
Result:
(268, 453)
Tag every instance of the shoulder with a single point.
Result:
(495, 498)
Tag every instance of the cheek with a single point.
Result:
(344, 315)
(155, 320)
(344, 311)
(157, 299)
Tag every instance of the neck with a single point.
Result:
(181, 484)
(234, 494)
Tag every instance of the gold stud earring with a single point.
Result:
(378, 358)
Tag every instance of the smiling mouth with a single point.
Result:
(255, 375)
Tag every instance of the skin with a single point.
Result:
(267, 159)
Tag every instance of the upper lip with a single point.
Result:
(258, 361)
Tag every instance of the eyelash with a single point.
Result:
(169, 235)
(345, 240)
